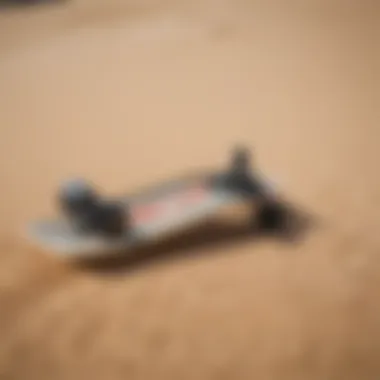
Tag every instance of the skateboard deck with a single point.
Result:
(154, 214)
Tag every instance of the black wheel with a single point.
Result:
(241, 161)
(111, 219)
(271, 217)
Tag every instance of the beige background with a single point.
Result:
(128, 92)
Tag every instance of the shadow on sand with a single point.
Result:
(290, 227)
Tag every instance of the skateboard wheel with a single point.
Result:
(271, 217)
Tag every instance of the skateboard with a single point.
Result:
(90, 226)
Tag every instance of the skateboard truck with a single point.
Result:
(88, 213)
(241, 178)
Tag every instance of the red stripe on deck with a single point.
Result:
(172, 203)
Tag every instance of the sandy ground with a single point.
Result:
(128, 92)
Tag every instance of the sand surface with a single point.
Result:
(128, 92)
